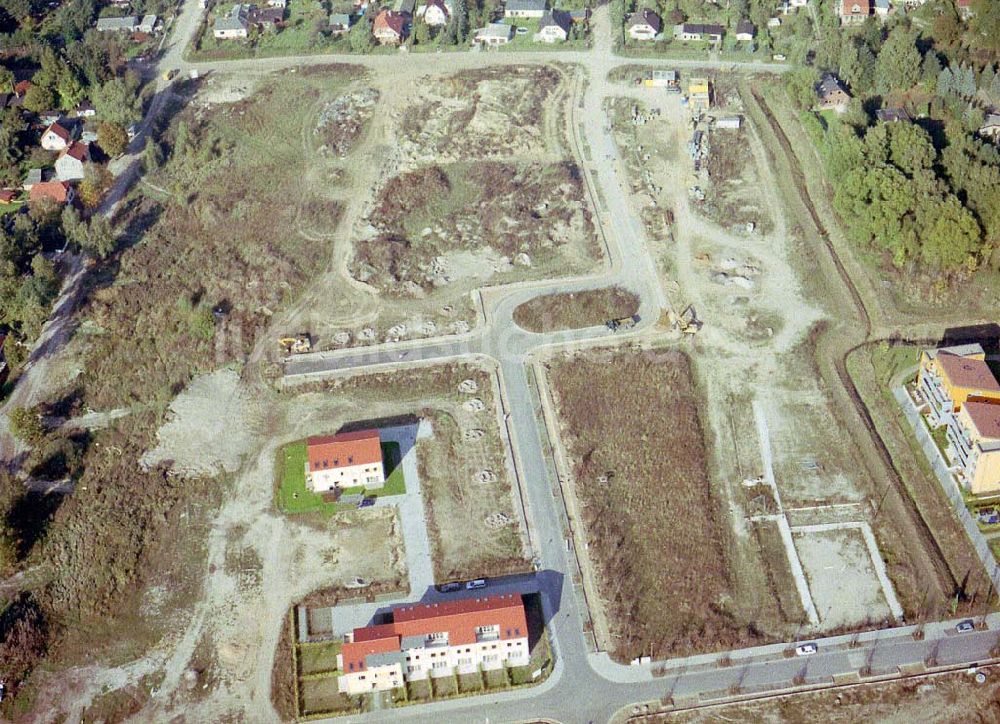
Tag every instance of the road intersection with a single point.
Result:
(585, 685)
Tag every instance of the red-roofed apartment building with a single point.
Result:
(343, 461)
(961, 393)
(435, 639)
(854, 11)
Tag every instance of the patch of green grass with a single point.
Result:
(293, 497)
(315, 658)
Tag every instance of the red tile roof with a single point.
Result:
(964, 372)
(353, 654)
(458, 618)
(57, 190)
(347, 448)
(847, 8)
(6, 196)
(59, 131)
(389, 20)
(22, 87)
(77, 150)
(986, 417)
(461, 618)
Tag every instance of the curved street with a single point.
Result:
(585, 686)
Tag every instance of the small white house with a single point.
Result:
(494, 34)
(643, 25)
(231, 26)
(56, 138)
(745, 31)
(148, 24)
(553, 27)
(69, 165)
(277, 4)
(728, 123)
(435, 13)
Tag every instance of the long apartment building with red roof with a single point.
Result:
(435, 639)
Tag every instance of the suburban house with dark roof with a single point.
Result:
(643, 25)
(892, 115)
(699, 31)
(832, 94)
(745, 31)
(69, 165)
(390, 27)
(435, 640)
(554, 27)
(346, 460)
(854, 11)
(525, 8)
(233, 25)
(435, 12)
(56, 138)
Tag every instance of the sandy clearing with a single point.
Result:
(841, 577)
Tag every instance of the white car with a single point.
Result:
(806, 649)
(473, 585)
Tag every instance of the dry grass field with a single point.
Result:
(574, 310)
(632, 426)
(946, 699)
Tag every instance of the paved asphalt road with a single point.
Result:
(584, 686)
(587, 686)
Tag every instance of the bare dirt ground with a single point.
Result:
(419, 280)
(468, 485)
(218, 664)
(747, 288)
(841, 579)
(211, 425)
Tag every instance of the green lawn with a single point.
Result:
(293, 497)
(315, 658)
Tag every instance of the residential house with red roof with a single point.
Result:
(854, 11)
(69, 165)
(390, 27)
(59, 191)
(345, 460)
(56, 138)
(435, 639)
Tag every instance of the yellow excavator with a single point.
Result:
(687, 321)
(295, 345)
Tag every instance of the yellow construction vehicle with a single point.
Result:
(687, 321)
(295, 345)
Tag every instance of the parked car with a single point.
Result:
(806, 649)
(450, 587)
(473, 585)
(366, 503)
(965, 626)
